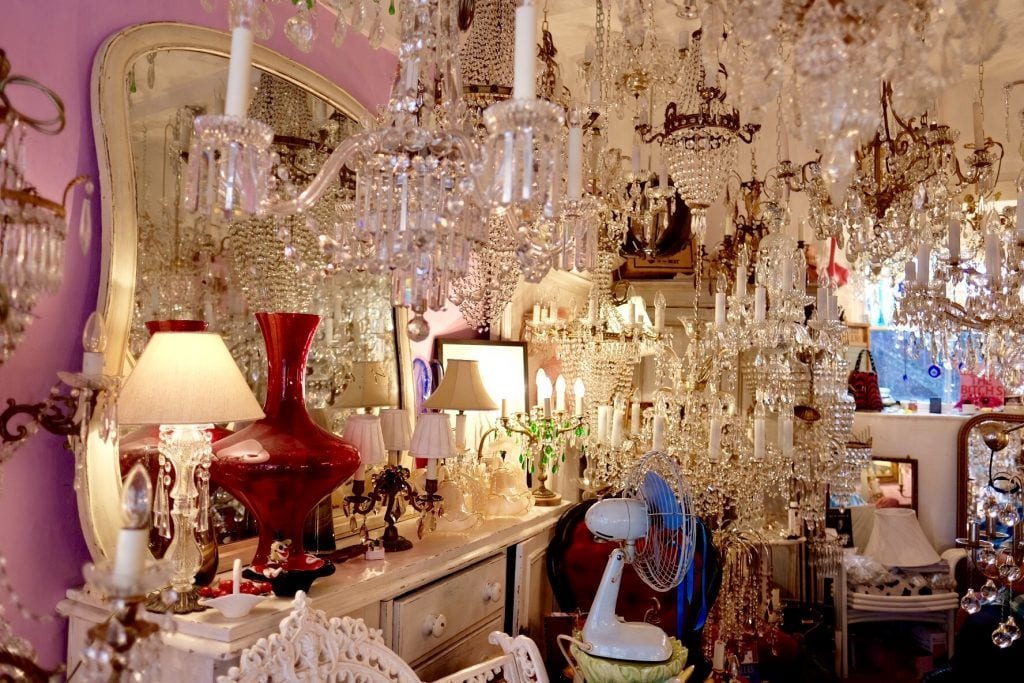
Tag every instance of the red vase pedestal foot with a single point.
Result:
(281, 466)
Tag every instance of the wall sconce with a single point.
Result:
(67, 414)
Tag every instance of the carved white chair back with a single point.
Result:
(312, 648)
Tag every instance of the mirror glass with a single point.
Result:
(188, 268)
(988, 456)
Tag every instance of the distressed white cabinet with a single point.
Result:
(435, 603)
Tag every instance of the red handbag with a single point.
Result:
(864, 384)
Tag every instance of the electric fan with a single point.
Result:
(654, 519)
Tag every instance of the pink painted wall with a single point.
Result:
(55, 42)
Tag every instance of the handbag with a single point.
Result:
(864, 384)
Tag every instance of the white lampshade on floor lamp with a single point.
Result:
(185, 382)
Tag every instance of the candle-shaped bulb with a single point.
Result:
(94, 334)
(136, 499)
(544, 388)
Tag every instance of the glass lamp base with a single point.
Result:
(186, 603)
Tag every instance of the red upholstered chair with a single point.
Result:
(576, 561)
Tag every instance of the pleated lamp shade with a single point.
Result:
(394, 423)
(369, 387)
(461, 389)
(186, 378)
(432, 439)
(898, 541)
(364, 432)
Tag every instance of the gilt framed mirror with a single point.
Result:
(161, 263)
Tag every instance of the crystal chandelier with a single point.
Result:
(32, 227)
(700, 134)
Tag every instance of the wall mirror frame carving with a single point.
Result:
(98, 479)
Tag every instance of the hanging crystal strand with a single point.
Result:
(161, 506)
(376, 31)
(203, 484)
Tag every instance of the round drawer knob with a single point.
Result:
(434, 625)
(492, 591)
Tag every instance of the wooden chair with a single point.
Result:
(312, 648)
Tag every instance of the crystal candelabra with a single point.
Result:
(546, 434)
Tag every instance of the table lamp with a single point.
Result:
(461, 389)
(368, 388)
(394, 423)
(432, 441)
(364, 432)
(185, 382)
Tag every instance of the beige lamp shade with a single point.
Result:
(432, 439)
(368, 387)
(898, 541)
(394, 423)
(186, 378)
(461, 389)
(363, 432)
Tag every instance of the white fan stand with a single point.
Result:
(312, 648)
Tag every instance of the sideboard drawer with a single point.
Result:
(430, 618)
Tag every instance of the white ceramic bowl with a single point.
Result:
(234, 606)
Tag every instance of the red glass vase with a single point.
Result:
(281, 466)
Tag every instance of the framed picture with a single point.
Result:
(502, 366)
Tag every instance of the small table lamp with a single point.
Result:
(368, 387)
(363, 431)
(432, 441)
(397, 434)
(185, 382)
(461, 389)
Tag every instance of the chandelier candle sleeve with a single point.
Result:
(953, 240)
(992, 257)
(133, 539)
(658, 436)
(760, 304)
(924, 255)
(786, 434)
(560, 394)
(575, 182)
(577, 391)
(636, 159)
(617, 422)
(634, 418)
(759, 436)
(979, 126)
(720, 309)
(236, 103)
(524, 84)
(714, 438)
(603, 414)
(740, 289)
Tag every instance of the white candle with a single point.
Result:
(132, 546)
(659, 318)
(759, 443)
(979, 126)
(636, 159)
(602, 423)
(92, 363)
(239, 67)
(719, 309)
(524, 85)
(432, 469)
(954, 240)
(560, 394)
(504, 407)
(658, 440)
(1020, 215)
(924, 255)
(236, 576)
(833, 306)
(787, 273)
(992, 256)
(910, 273)
(536, 314)
(547, 408)
(760, 304)
(634, 418)
(786, 434)
(617, 422)
(741, 279)
(577, 391)
(718, 661)
(574, 185)
(714, 438)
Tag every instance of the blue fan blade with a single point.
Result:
(662, 501)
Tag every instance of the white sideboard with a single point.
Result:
(435, 603)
